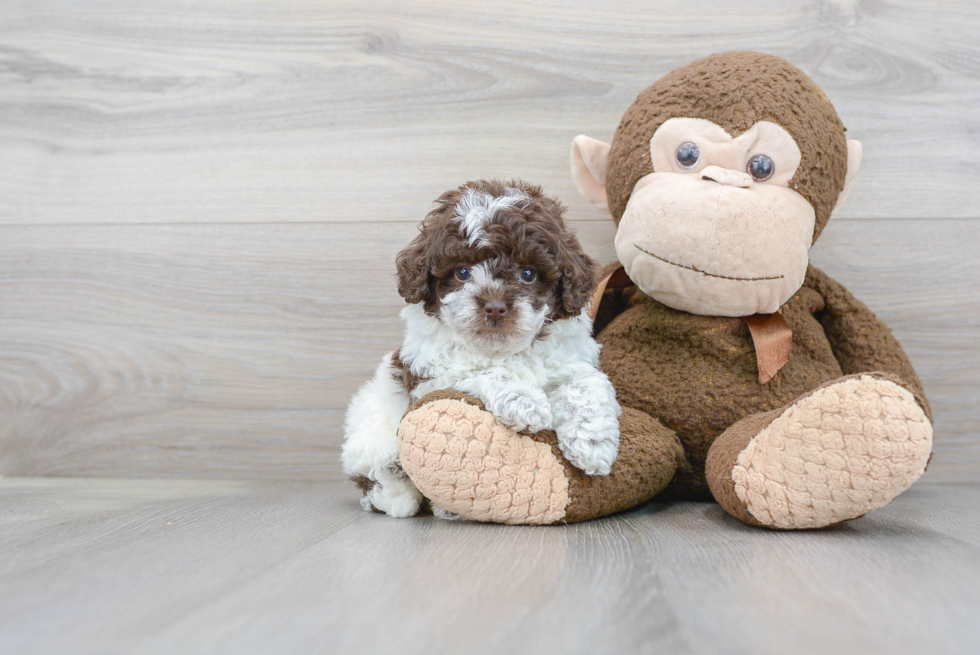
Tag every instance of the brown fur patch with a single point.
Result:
(736, 90)
(403, 374)
(364, 483)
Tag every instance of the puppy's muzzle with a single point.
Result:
(495, 311)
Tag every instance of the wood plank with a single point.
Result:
(263, 111)
(231, 350)
(113, 566)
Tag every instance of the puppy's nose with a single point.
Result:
(495, 309)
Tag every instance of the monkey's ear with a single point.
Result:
(589, 158)
(854, 151)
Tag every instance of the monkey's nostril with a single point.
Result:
(726, 177)
(495, 309)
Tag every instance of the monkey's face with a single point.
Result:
(716, 228)
(720, 177)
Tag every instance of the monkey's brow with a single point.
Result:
(698, 270)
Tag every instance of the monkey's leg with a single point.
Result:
(836, 453)
(468, 463)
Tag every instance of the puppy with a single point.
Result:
(499, 290)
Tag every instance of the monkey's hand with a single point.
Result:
(587, 422)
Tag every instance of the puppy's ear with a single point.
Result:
(578, 270)
(578, 278)
(413, 270)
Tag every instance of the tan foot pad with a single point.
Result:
(467, 462)
(839, 453)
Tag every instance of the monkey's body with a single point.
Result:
(697, 375)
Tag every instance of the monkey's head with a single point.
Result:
(720, 177)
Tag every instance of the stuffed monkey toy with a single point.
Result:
(745, 374)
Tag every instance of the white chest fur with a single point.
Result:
(437, 354)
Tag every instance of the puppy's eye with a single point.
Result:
(463, 273)
(688, 154)
(528, 275)
(761, 168)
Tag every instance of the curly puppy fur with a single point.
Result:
(498, 291)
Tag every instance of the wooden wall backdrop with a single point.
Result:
(200, 202)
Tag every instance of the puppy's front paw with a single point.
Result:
(592, 452)
(522, 411)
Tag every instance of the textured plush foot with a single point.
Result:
(468, 463)
(837, 454)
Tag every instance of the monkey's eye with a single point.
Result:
(463, 273)
(528, 275)
(761, 168)
(688, 154)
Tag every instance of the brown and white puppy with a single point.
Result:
(498, 291)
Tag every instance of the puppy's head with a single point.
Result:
(495, 262)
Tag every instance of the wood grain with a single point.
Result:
(116, 566)
(264, 111)
(231, 351)
(200, 203)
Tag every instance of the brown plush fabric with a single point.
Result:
(698, 374)
(649, 454)
(736, 90)
(440, 394)
(721, 460)
(861, 342)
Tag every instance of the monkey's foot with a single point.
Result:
(469, 463)
(836, 454)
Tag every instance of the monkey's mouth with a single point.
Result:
(698, 270)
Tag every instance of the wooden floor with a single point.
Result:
(200, 206)
(124, 566)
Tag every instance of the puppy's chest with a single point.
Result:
(422, 377)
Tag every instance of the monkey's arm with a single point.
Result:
(861, 342)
